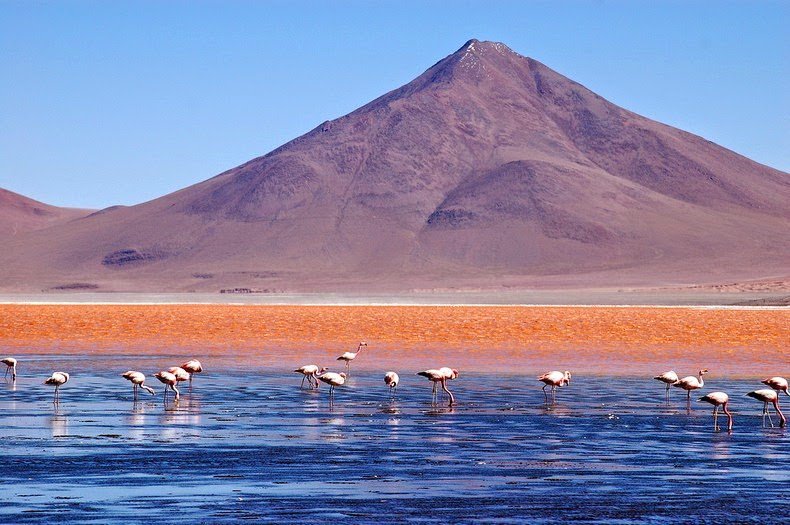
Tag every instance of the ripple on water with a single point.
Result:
(258, 448)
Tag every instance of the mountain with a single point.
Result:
(20, 214)
(488, 170)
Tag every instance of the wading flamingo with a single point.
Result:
(138, 381)
(332, 379)
(350, 356)
(690, 383)
(391, 379)
(554, 379)
(310, 372)
(10, 364)
(192, 367)
(668, 378)
(440, 376)
(769, 396)
(718, 399)
(170, 380)
(777, 383)
(182, 375)
(57, 379)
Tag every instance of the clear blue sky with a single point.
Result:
(106, 103)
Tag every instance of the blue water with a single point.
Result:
(250, 445)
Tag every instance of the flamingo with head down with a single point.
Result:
(57, 379)
(441, 376)
(310, 372)
(391, 379)
(192, 367)
(718, 399)
(777, 383)
(138, 381)
(769, 396)
(169, 380)
(554, 379)
(10, 364)
(669, 379)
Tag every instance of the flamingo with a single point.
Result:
(332, 379)
(57, 379)
(440, 376)
(718, 399)
(170, 380)
(769, 396)
(554, 379)
(777, 383)
(310, 372)
(10, 364)
(669, 378)
(350, 356)
(690, 383)
(181, 374)
(192, 367)
(138, 380)
(391, 379)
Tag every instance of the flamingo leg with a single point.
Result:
(715, 418)
(303, 378)
(545, 395)
(6, 372)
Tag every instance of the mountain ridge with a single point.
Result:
(487, 168)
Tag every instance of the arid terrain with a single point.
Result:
(488, 171)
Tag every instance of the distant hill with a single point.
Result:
(488, 170)
(20, 214)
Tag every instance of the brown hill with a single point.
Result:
(20, 214)
(487, 170)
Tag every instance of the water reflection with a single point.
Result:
(601, 448)
(59, 424)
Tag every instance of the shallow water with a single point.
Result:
(250, 445)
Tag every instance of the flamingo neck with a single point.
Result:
(782, 420)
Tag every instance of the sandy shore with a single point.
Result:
(577, 297)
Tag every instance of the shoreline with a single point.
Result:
(577, 298)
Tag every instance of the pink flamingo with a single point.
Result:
(554, 379)
(10, 364)
(777, 383)
(138, 380)
(58, 379)
(441, 376)
(690, 383)
(350, 356)
(182, 375)
(332, 379)
(668, 378)
(192, 367)
(310, 372)
(718, 399)
(169, 380)
(769, 396)
(391, 379)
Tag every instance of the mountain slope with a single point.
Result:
(488, 169)
(20, 214)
